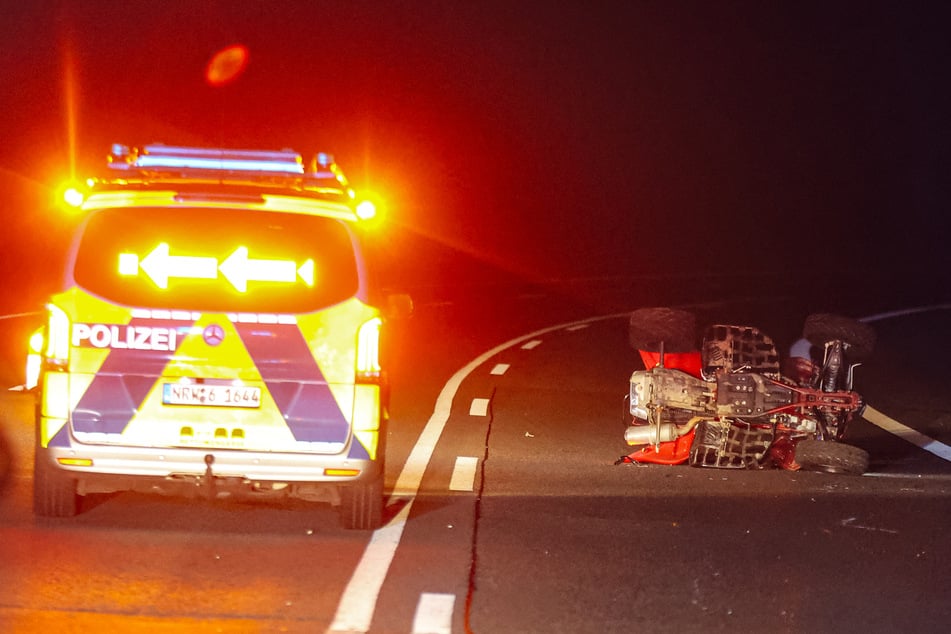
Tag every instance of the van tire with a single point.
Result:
(54, 494)
(361, 505)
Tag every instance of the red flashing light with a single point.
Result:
(226, 65)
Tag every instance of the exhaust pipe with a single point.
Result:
(655, 434)
(652, 434)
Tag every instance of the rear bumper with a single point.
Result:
(116, 468)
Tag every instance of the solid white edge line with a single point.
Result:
(904, 312)
(904, 432)
(891, 425)
(358, 602)
(463, 474)
(434, 613)
(355, 610)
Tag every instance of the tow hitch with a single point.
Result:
(210, 486)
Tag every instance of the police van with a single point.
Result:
(215, 331)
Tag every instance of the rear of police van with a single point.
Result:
(210, 338)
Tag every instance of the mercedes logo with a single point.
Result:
(213, 334)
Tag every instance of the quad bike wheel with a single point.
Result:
(729, 348)
(676, 329)
(823, 327)
(831, 457)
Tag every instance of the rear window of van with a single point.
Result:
(227, 260)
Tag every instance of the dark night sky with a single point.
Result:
(547, 138)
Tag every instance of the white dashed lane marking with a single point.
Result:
(434, 614)
(463, 474)
(534, 343)
(479, 407)
(500, 369)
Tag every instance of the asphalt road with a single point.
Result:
(513, 517)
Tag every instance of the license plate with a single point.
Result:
(211, 395)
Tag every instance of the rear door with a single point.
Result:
(214, 327)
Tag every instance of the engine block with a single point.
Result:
(670, 389)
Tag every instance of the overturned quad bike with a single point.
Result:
(729, 405)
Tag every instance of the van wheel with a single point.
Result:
(361, 505)
(54, 494)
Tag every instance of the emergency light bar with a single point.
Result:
(148, 165)
(157, 156)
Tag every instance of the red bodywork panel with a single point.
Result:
(783, 453)
(673, 451)
(689, 362)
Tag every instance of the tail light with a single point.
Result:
(34, 359)
(368, 351)
(57, 338)
(55, 382)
